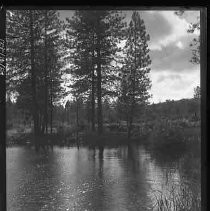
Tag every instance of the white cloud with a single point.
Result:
(174, 57)
(173, 86)
(179, 30)
(179, 45)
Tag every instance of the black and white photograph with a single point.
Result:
(103, 109)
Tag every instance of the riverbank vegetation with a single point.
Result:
(172, 130)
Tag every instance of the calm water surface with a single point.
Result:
(124, 178)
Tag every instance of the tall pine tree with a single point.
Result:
(34, 51)
(135, 80)
(95, 36)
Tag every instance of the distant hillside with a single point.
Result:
(184, 108)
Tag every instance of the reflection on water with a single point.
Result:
(124, 178)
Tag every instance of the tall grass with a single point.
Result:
(179, 198)
(183, 196)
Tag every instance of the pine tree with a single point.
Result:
(80, 34)
(95, 37)
(30, 35)
(53, 64)
(109, 33)
(22, 42)
(135, 80)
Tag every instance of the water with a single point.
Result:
(124, 178)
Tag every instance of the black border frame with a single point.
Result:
(204, 76)
(3, 116)
(204, 105)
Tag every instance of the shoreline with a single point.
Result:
(111, 139)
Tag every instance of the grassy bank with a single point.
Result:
(160, 140)
(182, 146)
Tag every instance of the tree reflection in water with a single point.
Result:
(94, 178)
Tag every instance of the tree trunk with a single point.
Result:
(93, 100)
(39, 122)
(46, 126)
(51, 114)
(42, 126)
(77, 119)
(33, 80)
(45, 77)
(51, 104)
(99, 111)
(133, 79)
(93, 87)
(130, 126)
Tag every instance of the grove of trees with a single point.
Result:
(42, 50)
(34, 65)
(104, 57)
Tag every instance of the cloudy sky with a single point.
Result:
(172, 75)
